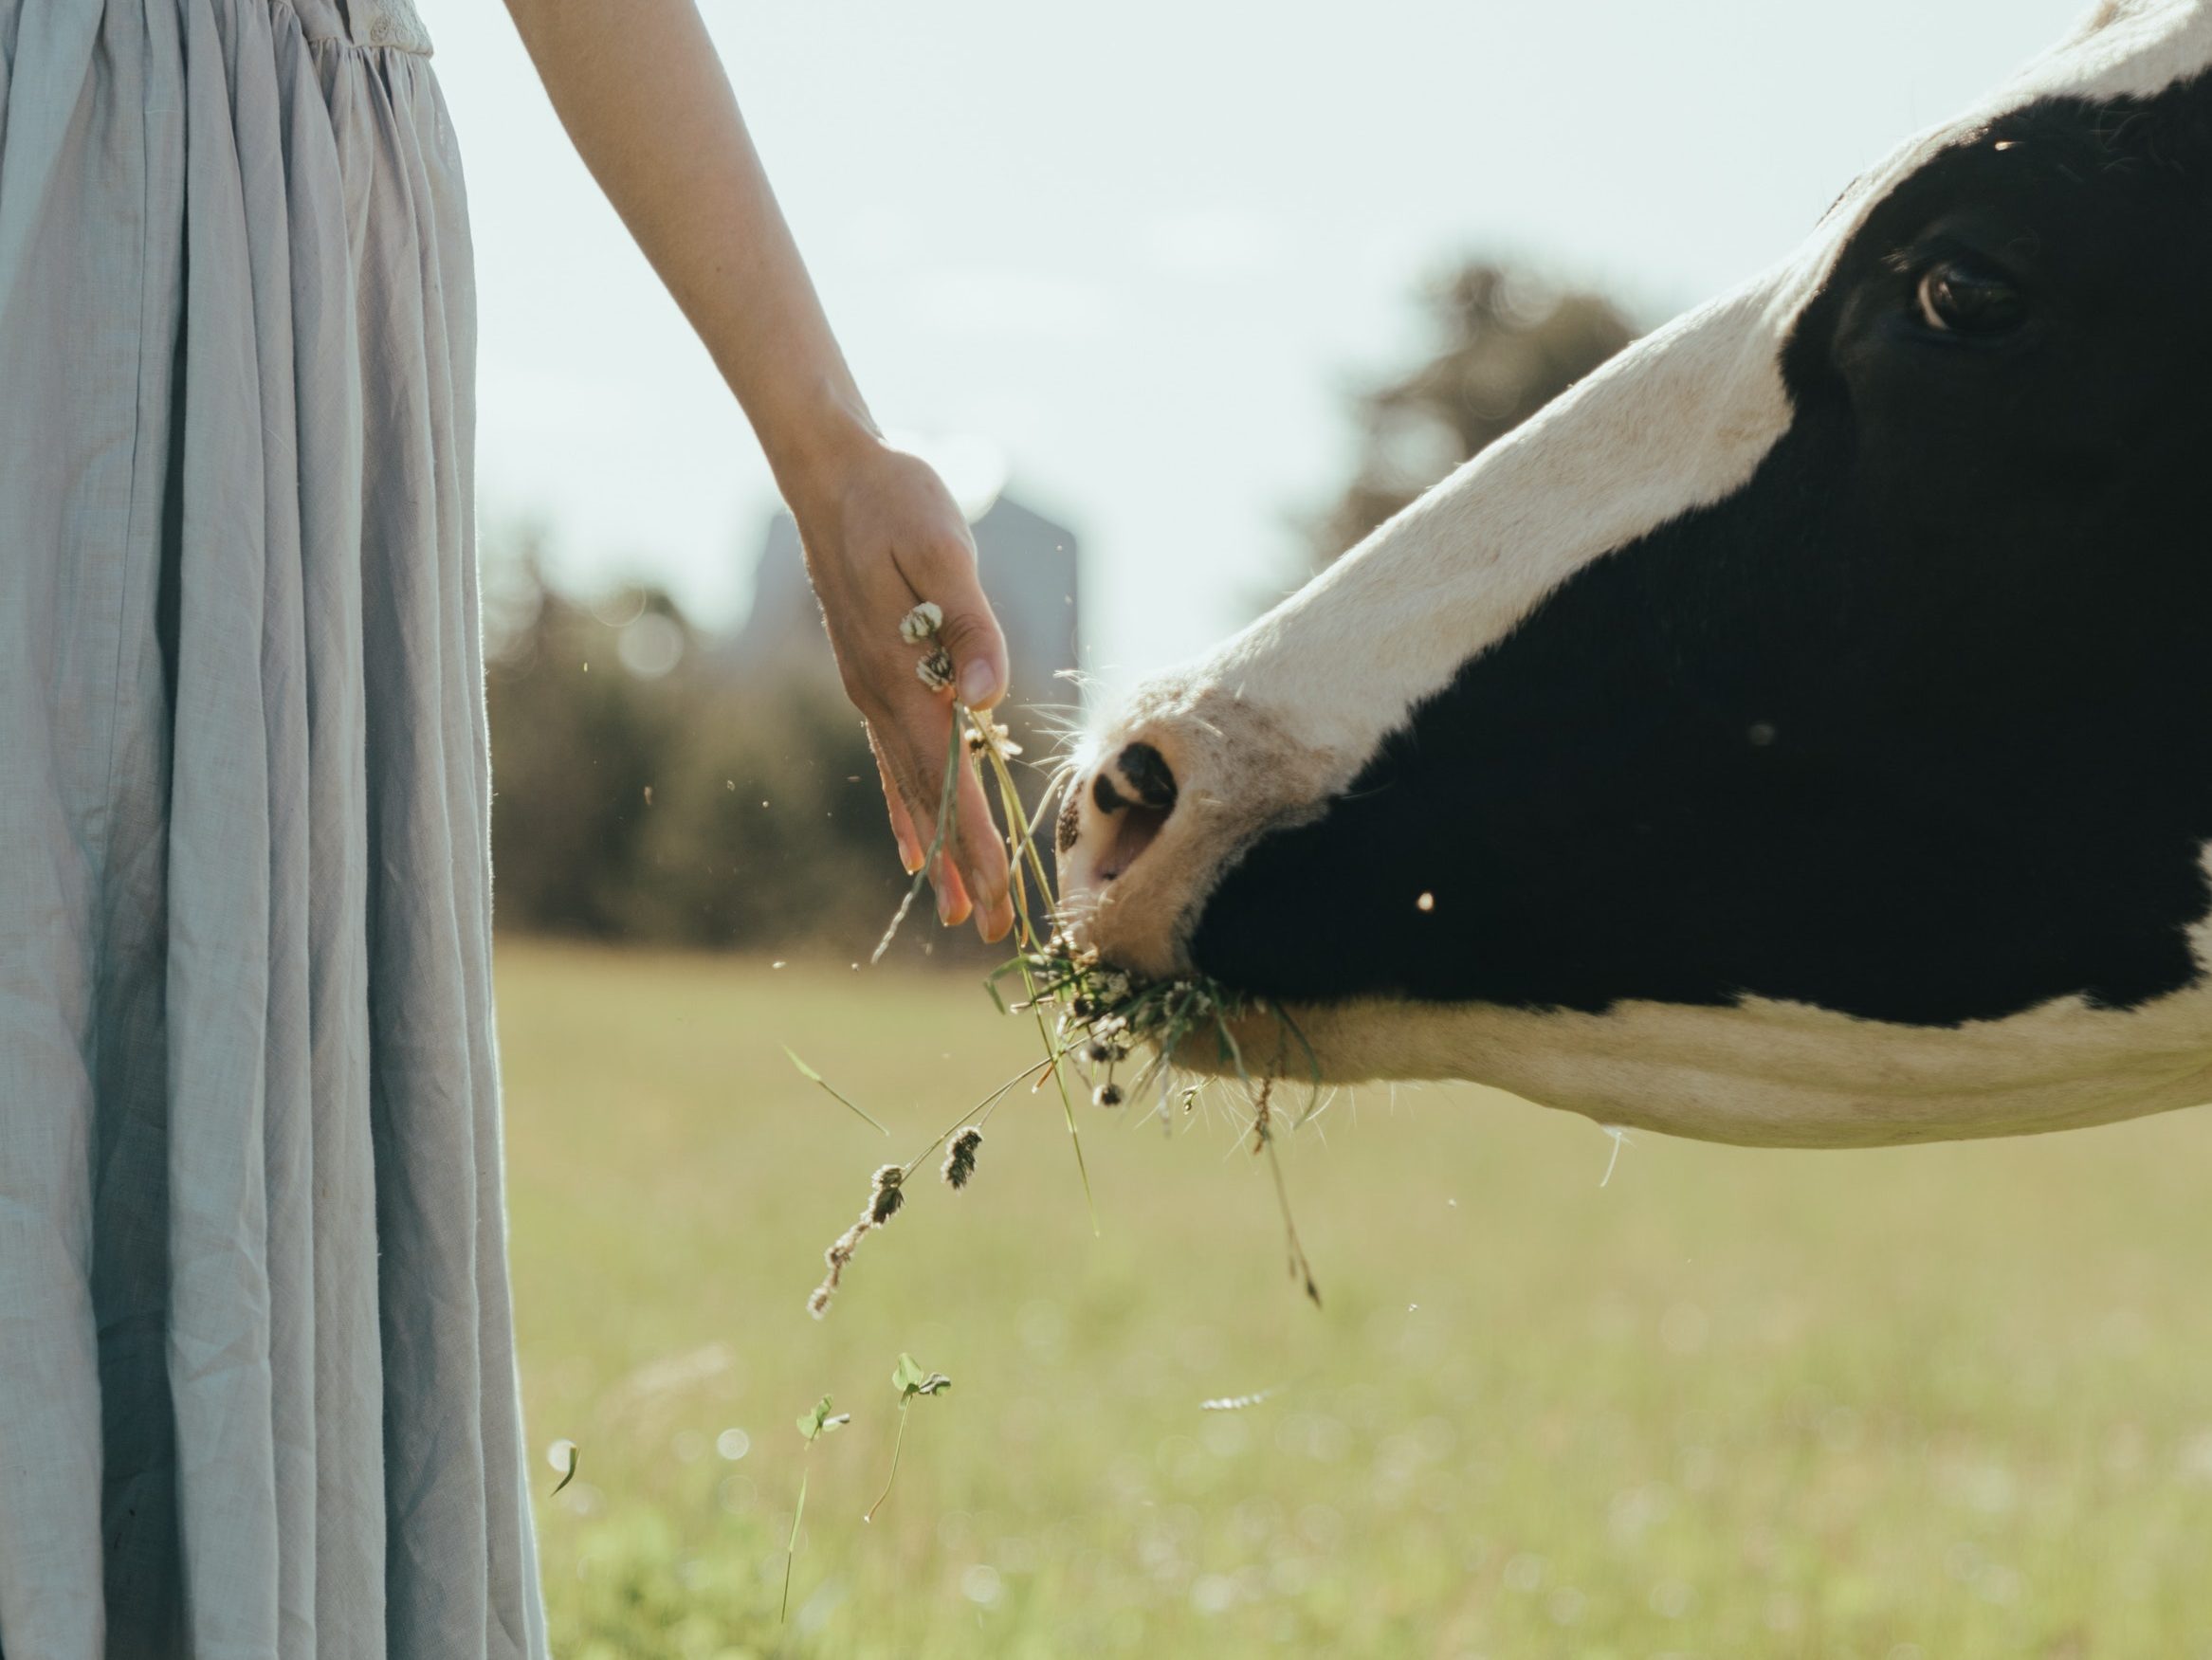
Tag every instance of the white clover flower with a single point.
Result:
(921, 623)
(935, 670)
(999, 738)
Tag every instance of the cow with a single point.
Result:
(1798, 734)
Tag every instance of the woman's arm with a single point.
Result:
(639, 87)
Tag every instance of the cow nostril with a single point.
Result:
(1150, 778)
(1133, 796)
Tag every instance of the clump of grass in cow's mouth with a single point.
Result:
(1096, 1022)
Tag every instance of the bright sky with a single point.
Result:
(1146, 249)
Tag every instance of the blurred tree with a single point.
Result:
(1509, 344)
(576, 741)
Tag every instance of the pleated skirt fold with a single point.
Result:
(257, 1381)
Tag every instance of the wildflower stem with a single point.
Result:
(1283, 1020)
(1020, 830)
(1068, 1111)
(791, 1550)
(1300, 1268)
(897, 1441)
(1023, 846)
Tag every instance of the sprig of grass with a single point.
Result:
(812, 1426)
(989, 738)
(912, 1383)
(1105, 1014)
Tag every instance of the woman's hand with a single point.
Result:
(882, 534)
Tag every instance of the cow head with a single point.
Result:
(1837, 660)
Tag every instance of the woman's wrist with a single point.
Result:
(815, 449)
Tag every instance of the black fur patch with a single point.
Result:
(1918, 725)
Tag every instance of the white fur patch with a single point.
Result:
(1765, 1073)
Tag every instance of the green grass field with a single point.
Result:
(1946, 1402)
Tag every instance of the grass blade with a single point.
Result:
(791, 1550)
(808, 1072)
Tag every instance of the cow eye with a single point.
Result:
(1968, 298)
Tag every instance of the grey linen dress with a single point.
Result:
(257, 1379)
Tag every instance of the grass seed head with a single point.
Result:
(886, 1196)
(836, 1257)
(959, 1163)
(1108, 1095)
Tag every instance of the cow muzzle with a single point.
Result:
(1167, 797)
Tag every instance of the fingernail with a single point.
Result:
(979, 681)
(945, 904)
(910, 856)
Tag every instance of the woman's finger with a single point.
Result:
(953, 904)
(983, 858)
(920, 737)
(912, 850)
(973, 868)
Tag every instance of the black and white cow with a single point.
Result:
(1799, 734)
